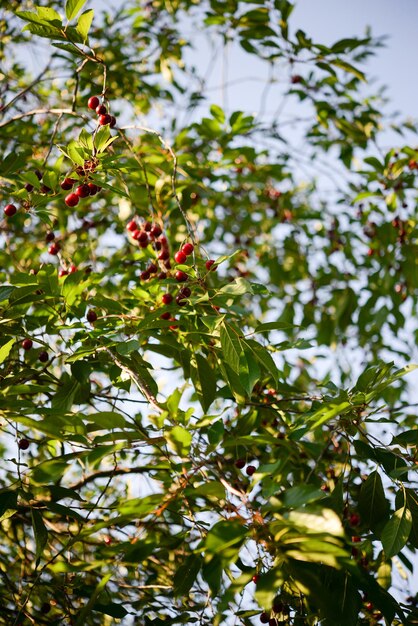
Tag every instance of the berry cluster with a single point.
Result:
(104, 118)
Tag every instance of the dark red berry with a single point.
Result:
(187, 248)
(296, 79)
(82, 191)
(23, 444)
(164, 241)
(272, 621)
(144, 275)
(162, 276)
(50, 236)
(141, 236)
(186, 292)
(45, 608)
(167, 298)
(180, 257)
(147, 227)
(73, 268)
(180, 300)
(27, 344)
(43, 356)
(164, 255)
(101, 109)
(132, 226)
(181, 276)
(240, 463)
(93, 189)
(166, 315)
(67, 184)
(264, 618)
(72, 199)
(93, 103)
(156, 230)
(152, 268)
(10, 210)
(54, 248)
(143, 244)
(112, 121)
(44, 189)
(167, 264)
(255, 578)
(354, 519)
(29, 187)
(104, 120)
(91, 316)
(62, 272)
(209, 264)
(250, 470)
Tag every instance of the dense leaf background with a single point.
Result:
(246, 452)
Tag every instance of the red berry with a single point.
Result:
(62, 272)
(73, 268)
(104, 120)
(112, 121)
(240, 463)
(164, 241)
(250, 470)
(131, 226)
(101, 109)
(187, 248)
(72, 199)
(27, 344)
(82, 191)
(181, 276)
(29, 187)
(356, 539)
(50, 236)
(143, 244)
(10, 210)
(296, 79)
(152, 268)
(45, 189)
(54, 248)
(91, 316)
(180, 300)
(180, 257)
(67, 184)
(166, 315)
(354, 519)
(147, 227)
(273, 621)
(156, 230)
(162, 276)
(264, 618)
(185, 292)
(43, 356)
(209, 264)
(141, 236)
(255, 578)
(144, 275)
(93, 189)
(45, 608)
(93, 102)
(164, 255)
(23, 444)
(167, 298)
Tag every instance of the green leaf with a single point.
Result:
(8, 504)
(268, 326)
(223, 535)
(218, 113)
(72, 7)
(396, 532)
(372, 504)
(186, 575)
(180, 440)
(231, 346)
(5, 350)
(301, 494)
(207, 382)
(107, 419)
(84, 23)
(40, 532)
(112, 609)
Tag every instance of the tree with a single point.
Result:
(170, 453)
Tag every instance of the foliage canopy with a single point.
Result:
(187, 441)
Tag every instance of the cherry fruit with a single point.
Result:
(93, 103)
(101, 109)
(250, 470)
(72, 199)
(54, 248)
(167, 298)
(187, 248)
(104, 120)
(180, 257)
(82, 191)
(67, 184)
(91, 316)
(43, 356)
(23, 444)
(240, 463)
(27, 344)
(10, 210)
